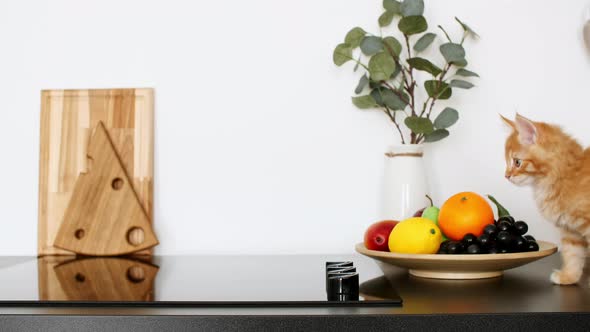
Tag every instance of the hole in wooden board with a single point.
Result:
(135, 236)
(79, 234)
(80, 277)
(136, 274)
(117, 183)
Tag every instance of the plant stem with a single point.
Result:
(357, 61)
(424, 107)
(446, 34)
(392, 117)
(433, 101)
(412, 82)
(398, 63)
(410, 88)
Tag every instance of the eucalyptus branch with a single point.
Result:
(411, 87)
(408, 46)
(435, 98)
(393, 71)
(357, 61)
(392, 117)
(446, 34)
(432, 102)
(424, 106)
(420, 138)
(362, 64)
(396, 58)
(412, 82)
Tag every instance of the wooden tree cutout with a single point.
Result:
(104, 216)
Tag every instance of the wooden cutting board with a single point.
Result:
(104, 217)
(67, 120)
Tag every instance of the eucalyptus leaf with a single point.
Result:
(438, 90)
(392, 6)
(381, 66)
(424, 42)
(354, 37)
(452, 52)
(342, 54)
(461, 84)
(419, 125)
(396, 101)
(371, 45)
(467, 28)
(392, 44)
(386, 18)
(460, 63)
(377, 95)
(466, 73)
(436, 135)
(396, 72)
(424, 65)
(446, 118)
(411, 25)
(412, 8)
(362, 84)
(364, 102)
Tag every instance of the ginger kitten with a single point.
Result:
(558, 168)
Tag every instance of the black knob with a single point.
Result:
(343, 285)
(340, 263)
(336, 270)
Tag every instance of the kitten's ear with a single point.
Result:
(508, 122)
(527, 131)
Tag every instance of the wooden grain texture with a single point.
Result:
(458, 266)
(67, 118)
(49, 287)
(104, 212)
(96, 279)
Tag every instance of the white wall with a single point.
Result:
(258, 147)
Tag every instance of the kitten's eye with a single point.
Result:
(517, 162)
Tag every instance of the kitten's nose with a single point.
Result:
(507, 176)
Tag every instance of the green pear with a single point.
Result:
(431, 213)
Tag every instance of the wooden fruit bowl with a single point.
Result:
(459, 266)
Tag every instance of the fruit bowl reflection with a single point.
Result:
(458, 266)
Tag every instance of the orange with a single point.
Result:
(464, 213)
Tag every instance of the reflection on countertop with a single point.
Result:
(68, 278)
(525, 289)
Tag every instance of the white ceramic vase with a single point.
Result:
(405, 185)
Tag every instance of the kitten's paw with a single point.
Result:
(559, 277)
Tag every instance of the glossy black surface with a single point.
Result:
(522, 292)
(174, 281)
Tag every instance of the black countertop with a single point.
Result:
(523, 298)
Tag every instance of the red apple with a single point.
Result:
(419, 212)
(377, 235)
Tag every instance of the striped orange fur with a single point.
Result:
(557, 167)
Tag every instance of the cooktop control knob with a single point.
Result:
(342, 281)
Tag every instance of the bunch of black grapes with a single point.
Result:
(504, 236)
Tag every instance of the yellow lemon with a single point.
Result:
(415, 236)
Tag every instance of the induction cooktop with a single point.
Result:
(181, 281)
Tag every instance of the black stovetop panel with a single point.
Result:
(179, 281)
